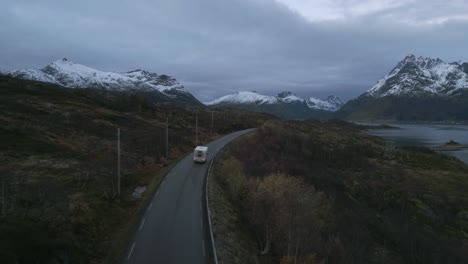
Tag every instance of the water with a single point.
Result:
(427, 135)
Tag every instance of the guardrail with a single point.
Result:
(213, 244)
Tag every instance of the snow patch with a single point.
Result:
(292, 98)
(331, 104)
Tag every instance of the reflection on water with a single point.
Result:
(427, 135)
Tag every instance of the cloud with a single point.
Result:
(411, 12)
(215, 47)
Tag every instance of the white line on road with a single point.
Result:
(142, 223)
(203, 246)
(131, 250)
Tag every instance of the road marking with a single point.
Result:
(142, 223)
(131, 250)
(157, 192)
(150, 206)
(203, 246)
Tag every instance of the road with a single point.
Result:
(174, 228)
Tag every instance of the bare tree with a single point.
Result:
(288, 214)
(3, 197)
(8, 193)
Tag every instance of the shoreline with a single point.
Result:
(450, 147)
(459, 123)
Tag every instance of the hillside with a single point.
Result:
(417, 89)
(58, 166)
(324, 192)
(285, 105)
(407, 109)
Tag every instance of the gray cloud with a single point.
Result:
(216, 47)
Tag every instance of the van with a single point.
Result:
(200, 154)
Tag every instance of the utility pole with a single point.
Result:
(118, 162)
(167, 137)
(196, 129)
(3, 196)
(212, 115)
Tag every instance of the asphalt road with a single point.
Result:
(174, 228)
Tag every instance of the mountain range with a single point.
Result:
(153, 87)
(416, 89)
(285, 105)
(163, 88)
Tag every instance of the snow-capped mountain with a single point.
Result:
(418, 75)
(68, 74)
(285, 104)
(244, 98)
(417, 90)
(332, 103)
(256, 98)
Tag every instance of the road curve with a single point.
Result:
(174, 227)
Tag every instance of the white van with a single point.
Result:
(200, 154)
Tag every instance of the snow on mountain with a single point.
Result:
(244, 98)
(417, 75)
(332, 103)
(32, 74)
(69, 74)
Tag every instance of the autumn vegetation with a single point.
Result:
(325, 192)
(58, 166)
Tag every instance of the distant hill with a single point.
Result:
(285, 105)
(417, 89)
(151, 86)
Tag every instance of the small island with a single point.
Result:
(451, 145)
(379, 127)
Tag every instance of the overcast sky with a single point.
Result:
(216, 47)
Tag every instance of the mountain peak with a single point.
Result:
(332, 103)
(61, 62)
(289, 97)
(421, 75)
(284, 94)
(409, 57)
